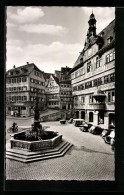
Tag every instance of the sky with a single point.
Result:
(50, 37)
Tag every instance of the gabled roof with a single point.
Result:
(24, 70)
(56, 79)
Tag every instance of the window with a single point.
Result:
(90, 99)
(109, 39)
(82, 99)
(81, 60)
(76, 74)
(14, 80)
(114, 55)
(9, 80)
(32, 80)
(98, 62)
(110, 57)
(75, 88)
(88, 84)
(102, 33)
(35, 73)
(89, 67)
(18, 80)
(76, 98)
(19, 98)
(10, 98)
(24, 88)
(24, 79)
(11, 73)
(101, 117)
(99, 81)
(112, 77)
(106, 79)
(111, 96)
(90, 116)
(25, 98)
(81, 71)
(36, 81)
(14, 88)
(31, 89)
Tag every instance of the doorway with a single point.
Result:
(83, 115)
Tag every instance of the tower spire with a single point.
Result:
(92, 25)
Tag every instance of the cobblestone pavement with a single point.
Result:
(89, 159)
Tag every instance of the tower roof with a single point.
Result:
(92, 16)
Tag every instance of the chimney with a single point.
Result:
(14, 66)
(27, 63)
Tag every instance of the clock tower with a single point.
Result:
(92, 26)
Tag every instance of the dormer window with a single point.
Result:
(81, 60)
(17, 71)
(102, 33)
(109, 39)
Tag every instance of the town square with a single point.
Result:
(60, 93)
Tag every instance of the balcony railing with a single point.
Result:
(97, 106)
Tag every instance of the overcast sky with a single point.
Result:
(50, 37)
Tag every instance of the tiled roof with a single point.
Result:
(47, 75)
(24, 70)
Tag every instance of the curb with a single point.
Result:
(22, 118)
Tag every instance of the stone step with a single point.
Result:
(41, 157)
(42, 154)
(24, 152)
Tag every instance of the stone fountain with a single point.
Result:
(36, 143)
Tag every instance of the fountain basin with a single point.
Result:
(32, 146)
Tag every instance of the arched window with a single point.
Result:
(90, 116)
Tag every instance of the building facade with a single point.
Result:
(93, 77)
(52, 92)
(23, 84)
(66, 100)
(58, 90)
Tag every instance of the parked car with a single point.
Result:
(84, 127)
(63, 121)
(95, 130)
(110, 135)
(78, 122)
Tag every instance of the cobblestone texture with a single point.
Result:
(89, 159)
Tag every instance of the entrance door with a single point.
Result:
(19, 111)
(77, 114)
(83, 114)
